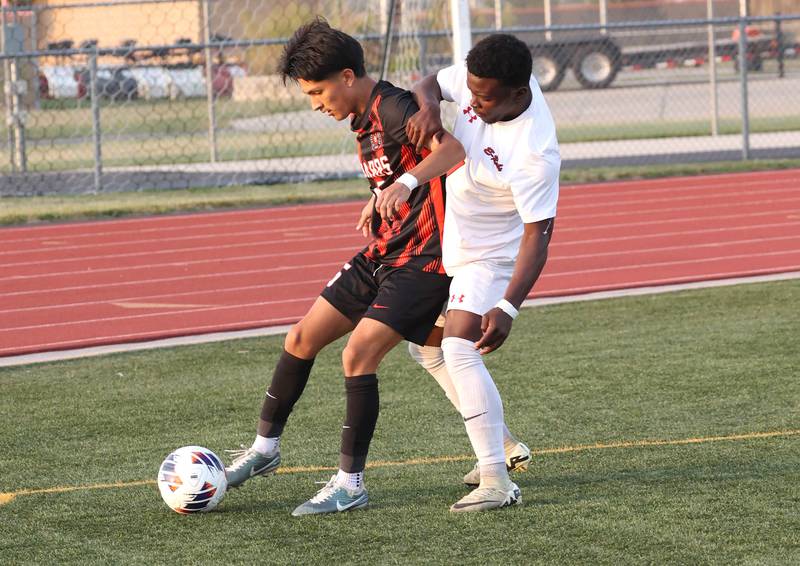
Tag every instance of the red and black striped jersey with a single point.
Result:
(414, 237)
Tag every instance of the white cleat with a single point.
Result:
(485, 498)
(517, 460)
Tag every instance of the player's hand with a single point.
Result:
(422, 126)
(496, 326)
(391, 200)
(365, 220)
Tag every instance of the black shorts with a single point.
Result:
(407, 300)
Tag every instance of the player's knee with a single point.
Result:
(429, 357)
(297, 343)
(460, 354)
(359, 359)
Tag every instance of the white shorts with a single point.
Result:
(477, 287)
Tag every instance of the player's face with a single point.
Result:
(492, 101)
(331, 96)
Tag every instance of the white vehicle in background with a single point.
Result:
(58, 82)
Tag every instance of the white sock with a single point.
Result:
(480, 401)
(432, 359)
(350, 481)
(264, 445)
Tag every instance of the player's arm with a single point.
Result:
(423, 125)
(496, 324)
(446, 153)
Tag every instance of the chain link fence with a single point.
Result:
(152, 94)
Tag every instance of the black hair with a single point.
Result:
(316, 50)
(503, 57)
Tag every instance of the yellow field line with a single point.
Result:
(9, 496)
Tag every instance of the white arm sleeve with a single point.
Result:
(452, 82)
(535, 187)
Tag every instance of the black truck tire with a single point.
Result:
(548, 69)
(596, 66)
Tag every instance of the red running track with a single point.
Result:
(86, 284)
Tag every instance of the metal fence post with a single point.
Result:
(462, 29)
(212, 116)
(743, 84)
(18, 115)
(9, 118)
(604, 16)
(98, 157)
(37, 103)
(712, 68)
(548, 19)
(387, 42)
(779, 41)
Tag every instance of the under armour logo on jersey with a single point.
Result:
(470, 114)
(494, 157)
(453, 299)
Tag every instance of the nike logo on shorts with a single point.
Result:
(377, 306)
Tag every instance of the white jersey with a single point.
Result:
(510, 177)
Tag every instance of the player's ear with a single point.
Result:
(349, 77)
(521, 93)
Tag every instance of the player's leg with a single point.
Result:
(368, 344)
(406, 306)
(322, 325)
(334, 314)
(431, 357)
(473, 291)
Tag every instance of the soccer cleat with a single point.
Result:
(517, 460)
(485, 498)
(333, 498)
(248, 463)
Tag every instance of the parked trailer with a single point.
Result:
(596, 61)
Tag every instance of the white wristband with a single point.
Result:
(507, 308)
(408, 180)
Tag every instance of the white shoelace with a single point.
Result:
(326, 492)
(239, 456)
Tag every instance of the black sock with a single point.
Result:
(359, 422)
(288, 381)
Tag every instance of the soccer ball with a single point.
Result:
(192, 479)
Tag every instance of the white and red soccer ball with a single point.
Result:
(192, 479)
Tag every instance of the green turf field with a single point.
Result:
(599, 380)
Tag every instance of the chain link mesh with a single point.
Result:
(149, 94)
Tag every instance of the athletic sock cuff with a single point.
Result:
(456, 342)
(359, 382)
(289, 361)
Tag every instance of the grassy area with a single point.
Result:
(693, 128)
(69, 119)
(165, 131)
(161, 150)
(76, 207)
(691, 365)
